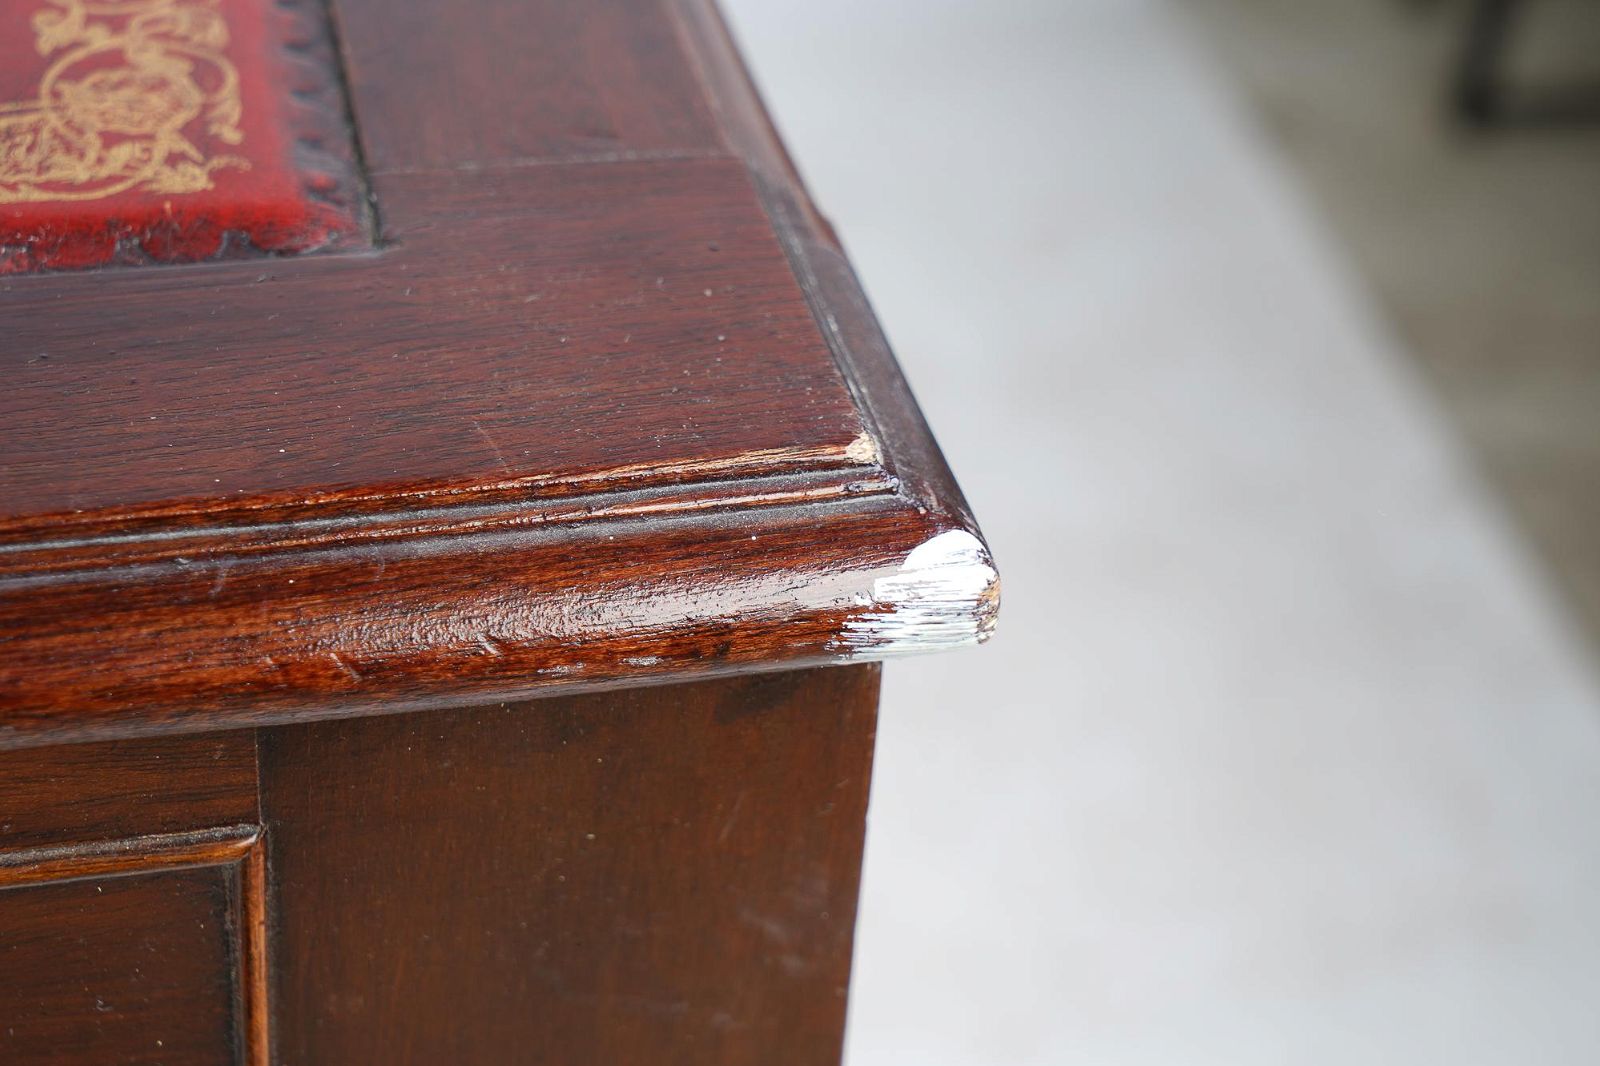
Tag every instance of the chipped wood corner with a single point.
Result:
(864, 450)
(944, 594)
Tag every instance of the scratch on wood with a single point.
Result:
(221, 579)
(498, 454)
(350, 671)
(733, 816)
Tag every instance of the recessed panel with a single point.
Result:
(127, 970)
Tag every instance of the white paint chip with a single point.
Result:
(944, 595)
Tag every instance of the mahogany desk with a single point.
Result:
(453, 496)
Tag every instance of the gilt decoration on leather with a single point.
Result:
(157, 130)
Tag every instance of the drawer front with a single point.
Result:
(119, 970)
(132, 904)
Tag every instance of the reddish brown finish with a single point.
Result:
(516, 613)
(665, 875)
(441, 84)
(97, 792)
(253, 964)
(603, 405)
(606, 406)
(112, 858)
(165, 832)
(544, 329)
(120, 970)
(906, 447)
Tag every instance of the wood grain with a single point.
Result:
(127, 871)
(101, 792)
(440, 84)
(654, 877)
(445, 621)
(906, 446)
(133, 855)
(131, 970)
(602, 416)
(252, 963)
(467, 362)
(604, 406)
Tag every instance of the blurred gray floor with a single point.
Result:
(1287, 750)
(1483, 249)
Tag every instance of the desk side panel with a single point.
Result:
(662, 875)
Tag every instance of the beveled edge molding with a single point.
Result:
(904, 445)
(184, 535)
(458, 621)
(239, 847)
(126, 855)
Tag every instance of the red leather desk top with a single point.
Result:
(137, 130)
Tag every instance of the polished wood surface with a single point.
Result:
(401, 629)
(601, 311)
(288, 548)
(663, 875)
(132, 903)
(121, 970)
(651, 332)
(442, 84)
(88, 793)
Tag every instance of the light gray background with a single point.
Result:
(1285, 752)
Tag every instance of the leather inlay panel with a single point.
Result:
(162, 130)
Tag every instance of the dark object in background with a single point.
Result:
(1480, 94)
